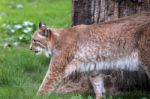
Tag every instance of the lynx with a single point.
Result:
(116, 45)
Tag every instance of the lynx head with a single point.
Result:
(40, 38)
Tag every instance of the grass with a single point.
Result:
(55, 13)
(21, 71)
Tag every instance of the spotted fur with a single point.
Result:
(116, 45)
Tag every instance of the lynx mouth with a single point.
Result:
(38, 52)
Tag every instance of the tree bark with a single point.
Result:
(96, 11)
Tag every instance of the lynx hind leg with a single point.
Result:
(144, 48)
(98, 86)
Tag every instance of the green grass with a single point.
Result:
(21, 71)
(55, 13)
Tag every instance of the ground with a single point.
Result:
(21, 71)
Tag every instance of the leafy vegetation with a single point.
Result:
(21, 71)
(18, 18)
(19, 33)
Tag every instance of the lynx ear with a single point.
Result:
(41, 24)
(47, 32)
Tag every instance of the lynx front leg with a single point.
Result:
(52, 79)
(60, 68)
(54, 75)
(98, 86)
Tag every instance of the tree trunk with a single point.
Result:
(95, 11)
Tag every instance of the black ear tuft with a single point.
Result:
(40, 24)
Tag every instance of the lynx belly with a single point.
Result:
(128, 62)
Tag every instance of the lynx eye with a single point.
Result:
(34, 40)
